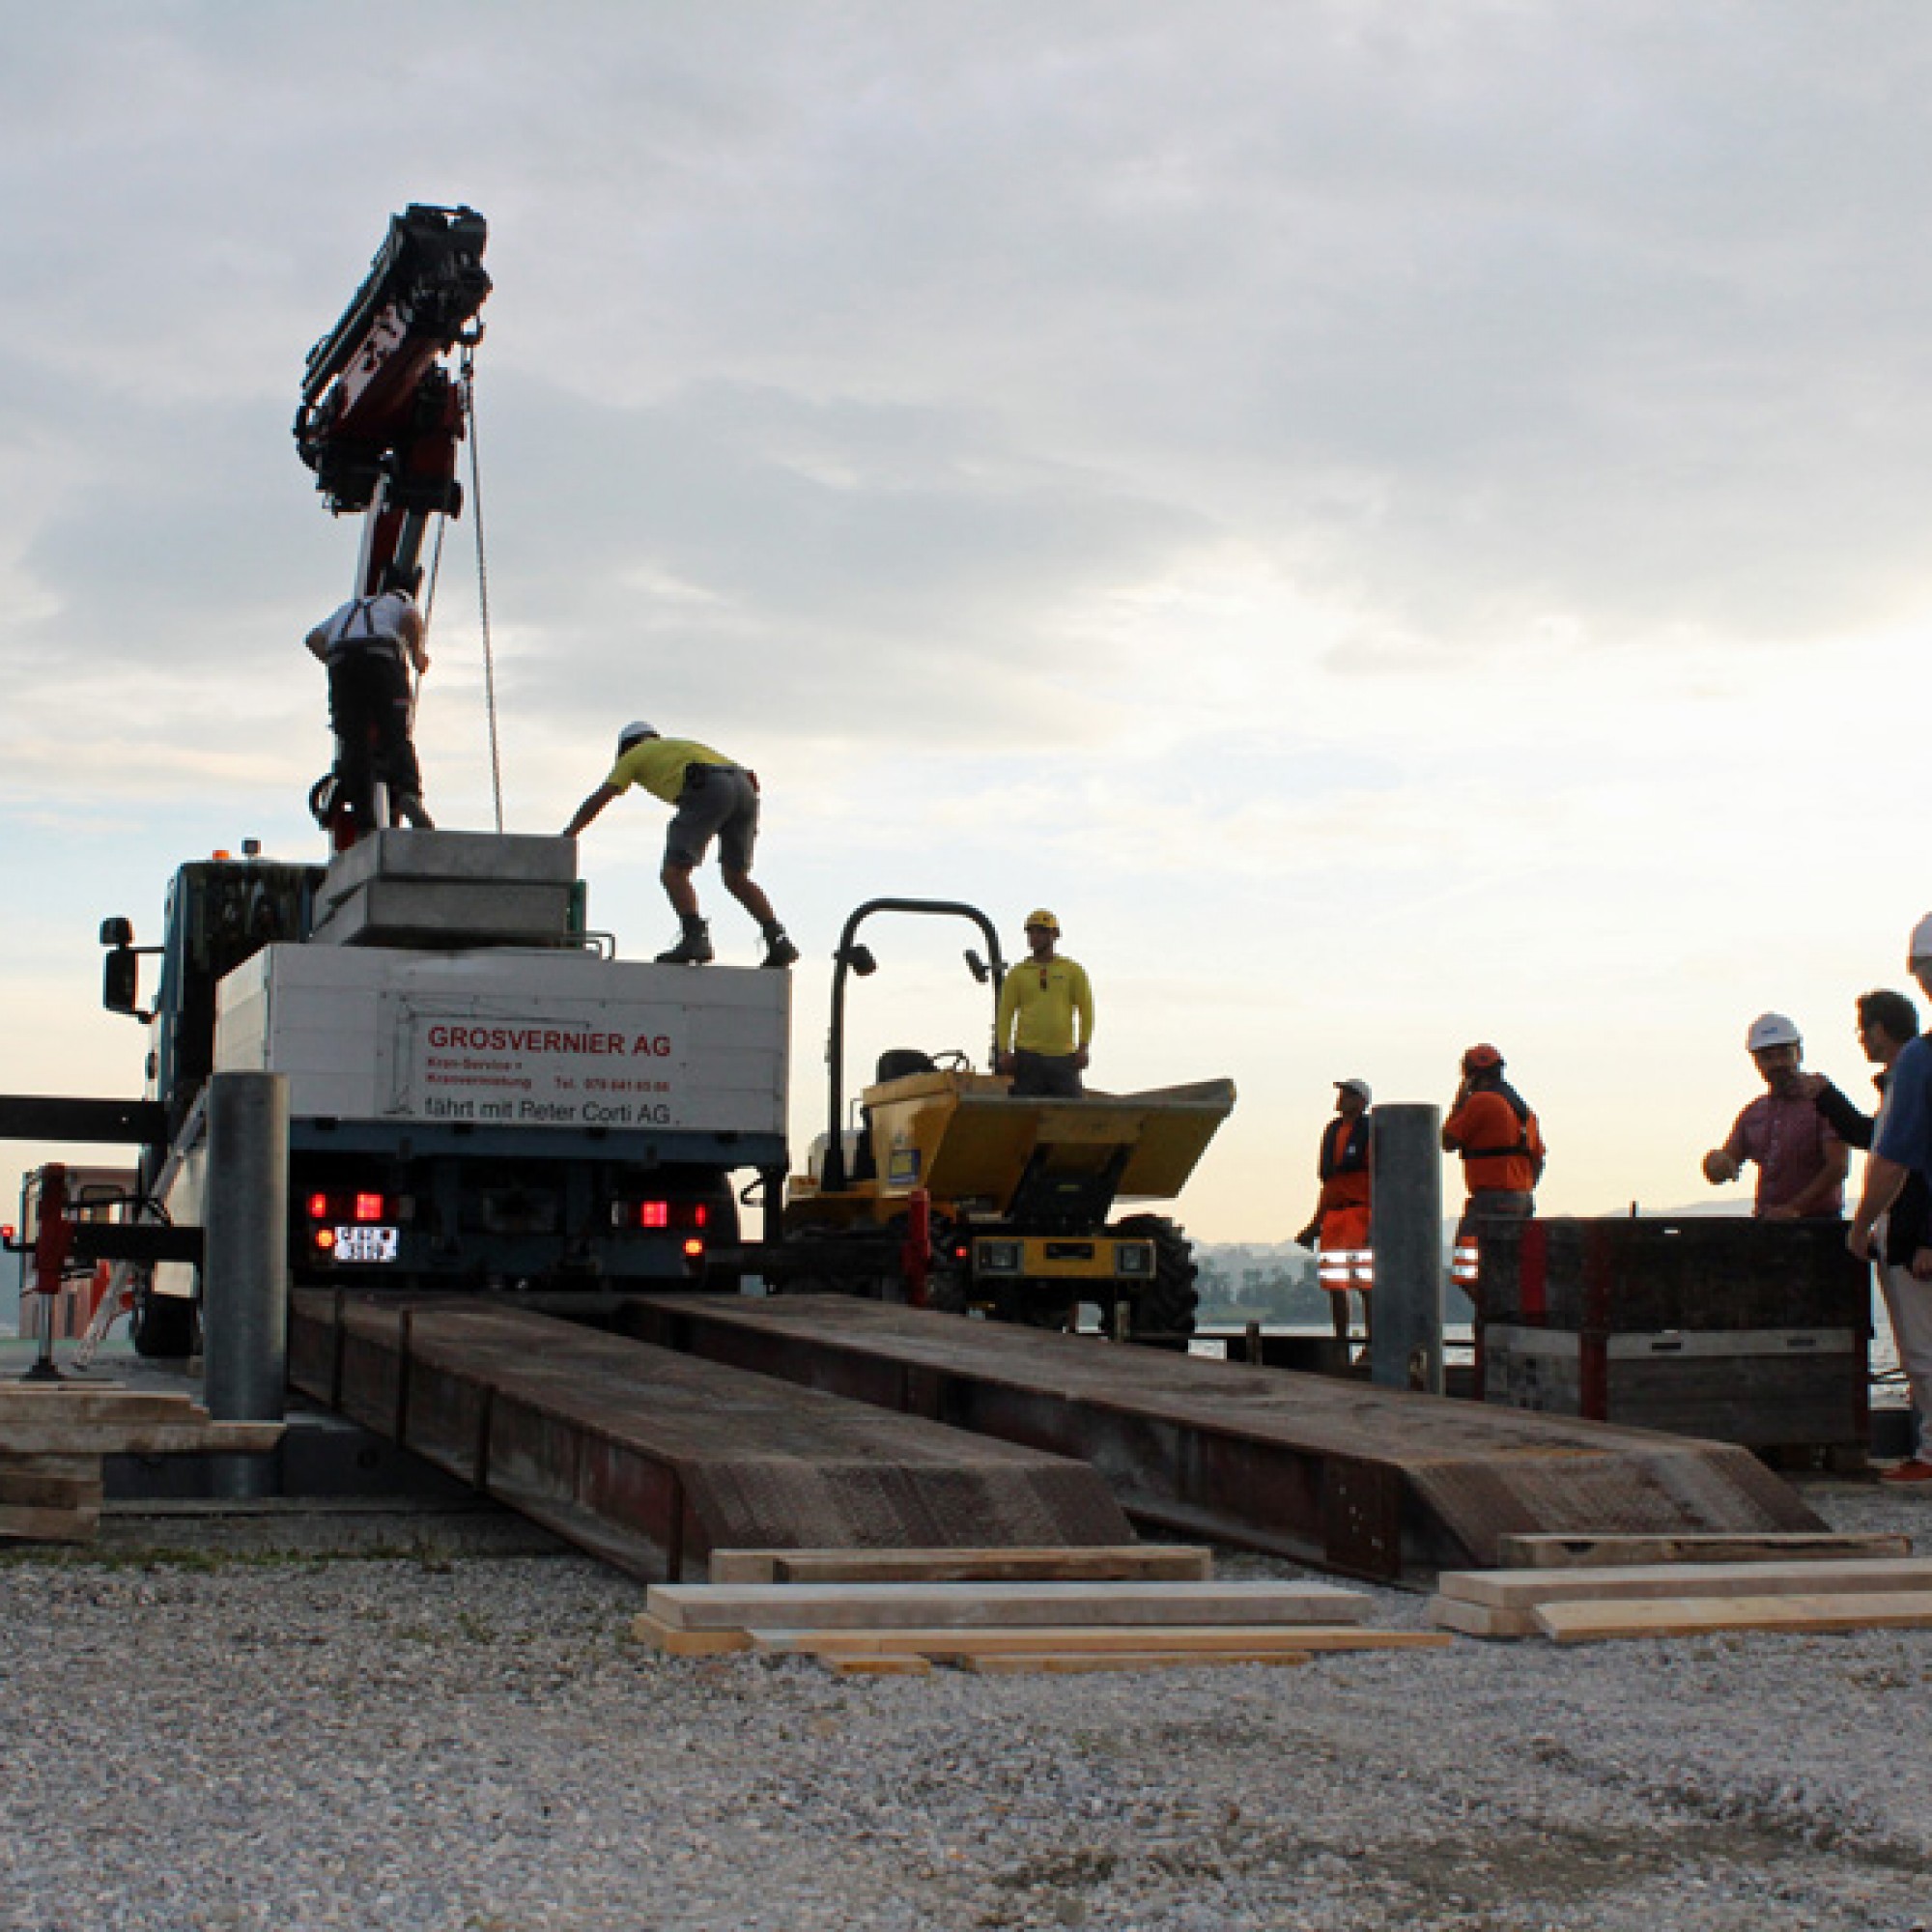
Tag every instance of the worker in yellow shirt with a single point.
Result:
(1035, 1036)
(710, 797)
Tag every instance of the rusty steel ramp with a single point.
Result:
(652, 1459)
(1374, 1483)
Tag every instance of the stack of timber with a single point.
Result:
(903, 1612)
(1803, 1584)
(53, 1437)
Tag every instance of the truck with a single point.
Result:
(481, 1094)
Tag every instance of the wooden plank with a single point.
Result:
(1479, 1619)
(1599, 1553)
(54, 1438)
(22, 1524)
(1069, 1663)
(28, 1489)
(1193, 1640)
(880, 1666)
(1148, 1563)
(30, 1406)
(1520, 1589)
(978, 1606)
(646, 1630)
(1693, 1616)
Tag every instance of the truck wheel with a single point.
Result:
(1163, 1313)
(162, 1324)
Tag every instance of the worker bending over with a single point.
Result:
(710, 797)
(369, 645)
(1801, 1162)
(1340, 1226)
(1044, 1025)
(1492, 1126)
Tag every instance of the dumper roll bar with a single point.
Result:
(852, 957)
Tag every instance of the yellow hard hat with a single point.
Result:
(1039, 916)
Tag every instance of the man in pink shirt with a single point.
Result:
(1801, 1162)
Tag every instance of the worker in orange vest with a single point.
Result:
(1493, 1127)
(1340, 1225)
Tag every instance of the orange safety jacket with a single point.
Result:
(1499, 1139)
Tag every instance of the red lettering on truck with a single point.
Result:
(523, 1039)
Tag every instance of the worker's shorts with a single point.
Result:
(718, 801)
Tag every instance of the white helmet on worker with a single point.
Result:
(1772, 1030)
(637, 728)
(1921, 941)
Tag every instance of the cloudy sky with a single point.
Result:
(1403, 523)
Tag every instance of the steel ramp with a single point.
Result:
(1375, 1483)
(652, 1459)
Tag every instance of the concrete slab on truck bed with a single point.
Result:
(652, 1459)
(1370, 1482)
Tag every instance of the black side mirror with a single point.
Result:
(860, 960)
(117, 932)
(976, 966)
(121, 977)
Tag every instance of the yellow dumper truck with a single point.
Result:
(953, 1193)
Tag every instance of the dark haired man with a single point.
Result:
(1902, 1250)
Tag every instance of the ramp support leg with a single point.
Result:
(1406, 1236)
(244, 1281)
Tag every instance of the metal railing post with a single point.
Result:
(1406, 1236)
(244, 1313)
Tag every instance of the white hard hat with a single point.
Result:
(1922, 938)
(637, 728)
(1360, 1087)
(1770, 1030)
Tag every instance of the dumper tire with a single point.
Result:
(160, 1325)
(1163, 1312)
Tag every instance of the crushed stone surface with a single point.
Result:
(463, 1739)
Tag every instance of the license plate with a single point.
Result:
(366, 1244)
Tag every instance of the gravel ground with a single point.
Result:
(457, 1735)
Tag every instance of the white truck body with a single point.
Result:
(511, 1037)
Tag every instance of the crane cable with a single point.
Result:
(468, 382)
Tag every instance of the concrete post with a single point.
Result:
(1406, 1235)
(244, 1313)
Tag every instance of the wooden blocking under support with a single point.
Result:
(1147, 1563)
(869, 1664)
(1600, 1552)
(49, 1498)
(1696, 1616)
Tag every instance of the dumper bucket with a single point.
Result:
(964, 1138)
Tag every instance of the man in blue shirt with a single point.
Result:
(1905, 1142)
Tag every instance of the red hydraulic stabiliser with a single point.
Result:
(916, 1255)
(53, 1244)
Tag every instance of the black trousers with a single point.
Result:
(369, 713)
(1051, 1076)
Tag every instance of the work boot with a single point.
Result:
(780, 951)
(693, 950)
(412, 812)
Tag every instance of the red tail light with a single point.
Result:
(318, 1207)
(368, 1207)
(653, 1213)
